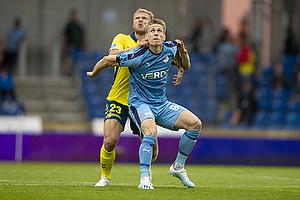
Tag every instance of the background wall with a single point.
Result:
(102, 19)
(45, 20)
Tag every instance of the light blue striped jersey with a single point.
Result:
(148, 73)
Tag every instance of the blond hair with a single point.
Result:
(157, 21)
(143, 11)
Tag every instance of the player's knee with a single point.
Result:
(197, 125)
(110, 144)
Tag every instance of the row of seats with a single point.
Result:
(278, 109)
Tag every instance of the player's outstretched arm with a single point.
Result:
(105, 62)
(184, 56)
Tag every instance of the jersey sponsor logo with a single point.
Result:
(155, 75)
(142, 115)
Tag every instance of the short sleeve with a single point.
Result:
(117, 42)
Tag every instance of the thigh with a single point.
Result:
(188, 121)
(168, 114)
(139, 113)
(116, 111)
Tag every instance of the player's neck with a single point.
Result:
(156, 49)
(139, 36)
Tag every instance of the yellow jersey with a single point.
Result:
(120, 87)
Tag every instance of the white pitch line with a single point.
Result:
(270, 177)
(91, 184)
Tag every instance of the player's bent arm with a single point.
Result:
(185, 60)
(184, 56)
(106, 61)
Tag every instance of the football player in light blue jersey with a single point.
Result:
(148, 104)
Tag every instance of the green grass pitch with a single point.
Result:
(74, 181)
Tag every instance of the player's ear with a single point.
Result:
(165, 37)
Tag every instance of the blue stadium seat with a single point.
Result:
(81, 55)
(97, 55)
(96, 112)
(294, 106)
(261, 120)
(265, 105)
(280, 105)
(90, 89)
(293, 121)
(280, 94)
(221, 86)
(195, 57)
(95, 101)
(267, 72)
(265, 82)
(277, 120)
(265, 93)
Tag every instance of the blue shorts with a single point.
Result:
(164, 114)
(115, 110)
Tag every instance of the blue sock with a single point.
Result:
(186, 145)
(145, 154)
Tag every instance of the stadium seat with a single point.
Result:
(293, 121)
(279, 105)
(267, 72)
(265, 105)
(221, 86)
(90, 88)
(265, 82)
(280, 94)
(96, 112)
(277, 120)
(95, 101)
(294, 106)
(261, 120)
(265, 93)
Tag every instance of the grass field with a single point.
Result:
(75, 181)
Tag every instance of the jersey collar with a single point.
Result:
(133, 37)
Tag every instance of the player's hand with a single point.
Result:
(144, 43)
(91, 74)
(180, 46)
(177, 80)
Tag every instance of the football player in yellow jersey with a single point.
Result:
(116, 111)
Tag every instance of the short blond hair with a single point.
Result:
(144, 11)
(157, 21)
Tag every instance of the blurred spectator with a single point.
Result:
(246, 61)
(296, 87)
(247, 105)
(6, 82)
(205, 42)
(195, 34)
(226, 51)
(243, 32)
(291, 45)
(9, 107)
(278, 78)
(73, 40)
(15, 36)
